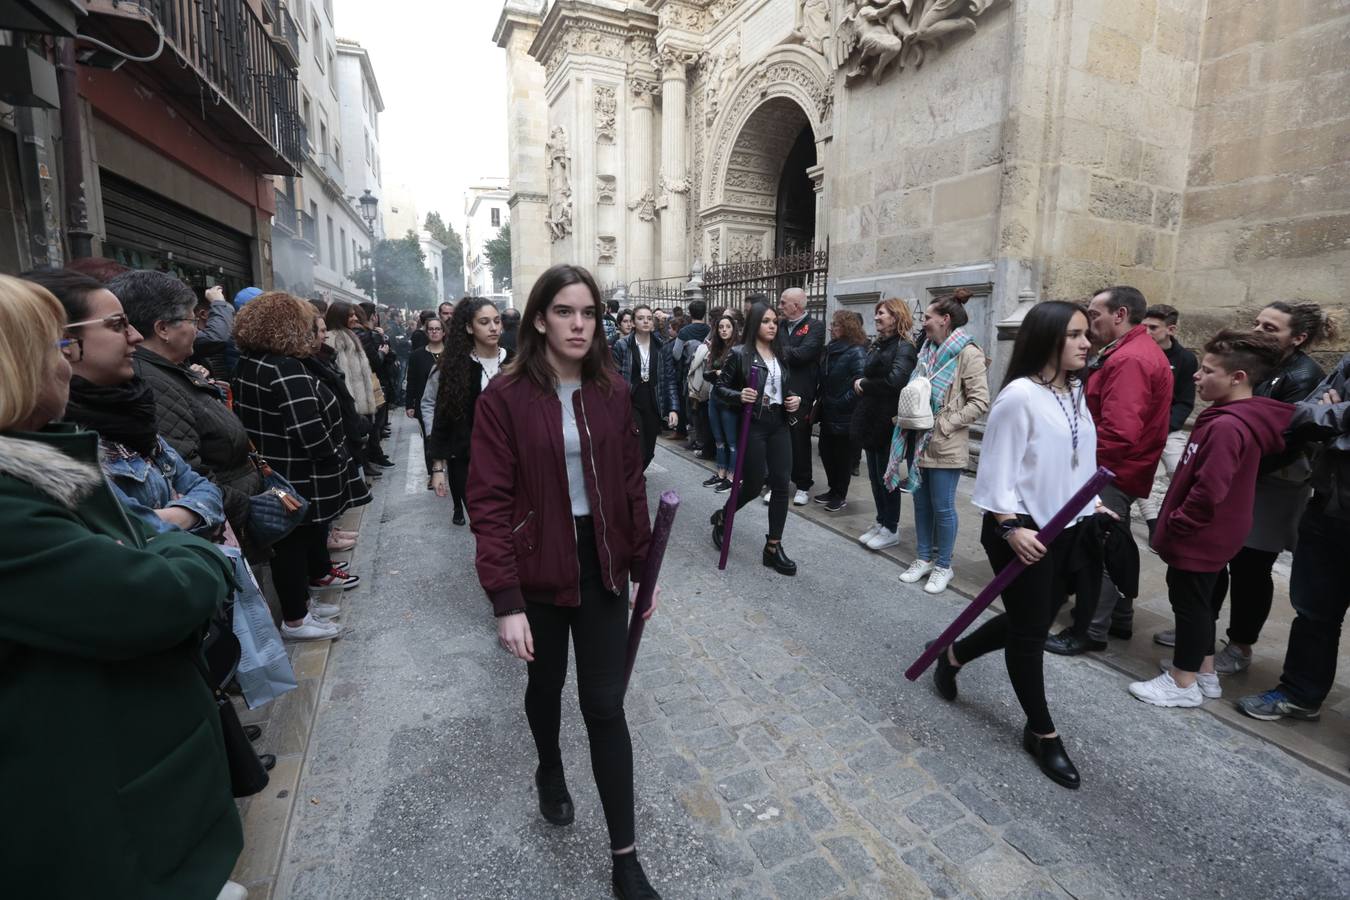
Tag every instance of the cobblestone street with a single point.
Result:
(779, 750)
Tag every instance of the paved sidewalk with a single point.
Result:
(1325, 744)
(779, 751)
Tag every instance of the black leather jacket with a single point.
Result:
(1294, 381)
(1329, 423)
(886, 371)
(735, 377)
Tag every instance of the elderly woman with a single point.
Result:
(296, 424)
(108, 397)
(190, 411)
(104, 706)
(340, 319)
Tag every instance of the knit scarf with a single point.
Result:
(122, 413)
(938, 363)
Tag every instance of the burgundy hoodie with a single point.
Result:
(1207, 512)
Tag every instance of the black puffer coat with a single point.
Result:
(841, 366)
(890, 361)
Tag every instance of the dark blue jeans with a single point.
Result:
(724, 422)
(1319, 594)
(888, 502)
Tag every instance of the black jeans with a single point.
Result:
(648, 419)
(1192, 597)
(836, 456)
(1112, 610)
(458, 476)
(1248, 578)
(801, 451)
(769, 447)
(887, 502)
(599, 630)
(297, 558)
(1318, 592)
(1031, 601)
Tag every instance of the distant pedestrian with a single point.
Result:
(510, 328)
(650, 375)
(558, 504)
(421, 363)
(1161, 323)
(803, 342)
(841, 366)
(723, 419)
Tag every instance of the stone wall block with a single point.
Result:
(984, 148)
(1077, 279)
(925, 165)
(1167, 209)
(903, 211)
(1145, 248)
(905, 251)
(1123, 155)
(1208, 249)
(1303, 150)
(1083, 143)
(1127, 245)
(1169, 77)
(1135, 18)
(1178, 29)
(1226, 77)
(1121, 200)
(1212, 289)
(1322, 283)
(1163, 166)
(1233, 25)
(888, 177)
(1164, 251)
(966, 198)
(1113, 55)
(964, 242)
(1294, 239)
(858, 256)
(1087, 238)
(1305, 55)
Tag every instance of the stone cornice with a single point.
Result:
(516, 13)
(579, 27)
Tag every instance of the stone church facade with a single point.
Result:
(1024, 149)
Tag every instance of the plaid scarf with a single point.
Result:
(938, 364)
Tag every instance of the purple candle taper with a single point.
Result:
(730, 515)
(651, 570)
(1100, 479)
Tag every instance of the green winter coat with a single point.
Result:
(112, 768)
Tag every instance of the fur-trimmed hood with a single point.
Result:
(63, 478)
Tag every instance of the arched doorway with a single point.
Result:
(795, 222)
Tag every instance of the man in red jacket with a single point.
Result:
(1129, 393)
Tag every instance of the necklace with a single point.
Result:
(1072, 420)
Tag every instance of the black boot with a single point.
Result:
(1066, 643)
(629, 881)
(555, 803)
(717, 520)
(459, 515)
(1051, 757)
(776, 559)
(944, 675)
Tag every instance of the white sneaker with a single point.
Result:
(1208, 682)
(1163, 691)
(1231, 660)
(800, 499)
(884, 538)
(311, 629)
(768, 495)
(233, 890)
(938, 581)
(916, 570)
(868, 534)
(324, 610)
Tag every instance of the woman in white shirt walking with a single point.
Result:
(1039, 447)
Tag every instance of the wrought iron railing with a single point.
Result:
(728, 284)
(309, 229)
(285, 216)
(287, 33)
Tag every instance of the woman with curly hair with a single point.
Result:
(472, 358)
(295, 423)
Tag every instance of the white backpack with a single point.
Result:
(914, 411)
(698, 387)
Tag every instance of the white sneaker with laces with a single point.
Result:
(938, 581)
(868, 534)
(800, 499)
(310, 629)
(884, 538)
(1163, 691)
(1208, 682)
(324, 610)
(916, 570)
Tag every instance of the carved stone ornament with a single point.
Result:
(724, 69)
(643, 90)
(606, 112)
(606, 250)
(743, 246)
(814, 29)
(715, 246)
(674, 185)
(605, 189)
(684, 15)
(644, 206)
(876, 35)
(559, 185)
(584, 38)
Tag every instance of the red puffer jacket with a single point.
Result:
(518, 500)
(1130, 397)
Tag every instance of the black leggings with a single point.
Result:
(768, 446)
(458, 476)
(599, 629)
(297, 558)
(1248, 578)
(1031, 601)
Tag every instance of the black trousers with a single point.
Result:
(1248, 578)
(801, 450)
(648, 419)
(1317, 592)
(1192, 597)
(599, 631)
(768, 448)
(837, 456)
(1031, 602)
(458, 476)
(297, 558)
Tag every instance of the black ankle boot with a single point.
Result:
(1051, 757)
(555, 803)
(459, 516)
(629, 881)
(775, 558)
(717, 520)
(944, 675)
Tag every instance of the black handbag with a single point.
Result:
(220, 655)
(275, 512)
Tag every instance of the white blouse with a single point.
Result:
(773, 381)
(1027, 455)
(491, 366)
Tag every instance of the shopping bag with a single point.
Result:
(265, 671)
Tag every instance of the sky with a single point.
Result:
(443, 81)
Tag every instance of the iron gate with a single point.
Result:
(727, 285)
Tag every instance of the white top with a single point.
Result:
(491, 366)
(576, 476)
(773, 386)
(1027, 456)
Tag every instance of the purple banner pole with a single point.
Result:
(1100, 479)
(651, 570)
(733, 499)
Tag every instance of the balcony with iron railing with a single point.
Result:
(285, 217)
(285, 32)
(219, 64)
(309, 230)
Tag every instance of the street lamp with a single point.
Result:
(370, 205)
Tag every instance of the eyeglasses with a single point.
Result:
(116, 322)
(71, 348)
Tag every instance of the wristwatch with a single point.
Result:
(1007, 527)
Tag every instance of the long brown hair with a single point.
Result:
(904, 318)
(457, 371)
(850, 326)
(531, 360)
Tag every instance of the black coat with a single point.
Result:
(890, 361)
(802, 350)
(1293, 383)
(420, 364)
(450, 434)
(842, 365)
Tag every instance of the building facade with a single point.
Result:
(124, 160)
(360, 104)
(1023, 149)
(486, 211)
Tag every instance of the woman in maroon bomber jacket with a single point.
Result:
(558, 503)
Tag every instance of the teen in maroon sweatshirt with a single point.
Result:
(1207, 512)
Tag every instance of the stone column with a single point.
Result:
(640, 187)
(817, 175)
(527, 131)
(674, 163)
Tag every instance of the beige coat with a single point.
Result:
(355, 369)
(967, 399)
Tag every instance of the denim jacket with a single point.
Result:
(145, 485)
